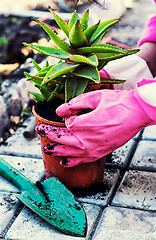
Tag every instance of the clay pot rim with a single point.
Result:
(61, 124)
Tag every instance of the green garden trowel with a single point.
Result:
(50, 199)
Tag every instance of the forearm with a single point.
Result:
(147, 45)
(148, 53)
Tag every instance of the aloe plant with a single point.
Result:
(79, 59)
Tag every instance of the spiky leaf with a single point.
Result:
(84, 20)
(74, 87)
(58, 70)
(112, 81)
(27, 75)
(102, 48)
(89, 72)
(58, 41)
(57, 92)
(92, 60)
(36, 79)
(44, 71)
(103, 29)
(37, 97)
(101, 64)
(76, 36)
(61, 23)
(44, 91)
(46, 64)
(53, 52)
(109, 56)
(36, 65)
(73, 19)
(132, 51)
(89, 31)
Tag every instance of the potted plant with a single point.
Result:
(77, 70)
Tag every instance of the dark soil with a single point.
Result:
(47, 110)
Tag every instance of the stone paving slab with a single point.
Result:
(29, 226)
(149, 133)
(119, 157)
(126, 224)
(8, 207)
(102, 192)
(145, 156)
(18, 145)
(137, 190)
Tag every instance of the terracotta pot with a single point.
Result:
(81, 176)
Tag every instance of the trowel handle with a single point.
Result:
(14, 176)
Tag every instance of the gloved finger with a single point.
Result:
(104, 73)
(88, 100)
(62, 150)
(60, 135)
(74, 161)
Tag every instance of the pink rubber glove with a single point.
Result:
(114, 118)
(149, 33)
(131, 68)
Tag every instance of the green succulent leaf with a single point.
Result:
(98, 40)
(37, 97)
(57, 92)
(58, 70)
(43, 72)
(132, 51)
(44, 91)
(36, 79)
(102, 48)
(92, 60)
(53, 52)
(58, 41)
(84, 20)
(113, 81)
(109, 56)
(89, 31)
(46, 64)
(102, 29)
(61, 23)
(101, 64)
(27, 75)
(74, 18)
(76, 36)
(74, 87)
(36, 65)
(89, 72)
(112, 56)
(56, 82)
(58, 95)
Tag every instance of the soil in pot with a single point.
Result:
(47, 110)
(81, 176)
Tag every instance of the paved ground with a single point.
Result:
(125, 206)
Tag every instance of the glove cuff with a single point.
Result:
(147, 107)
(149, 34)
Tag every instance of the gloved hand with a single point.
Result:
(114, 117)
(131, 68)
